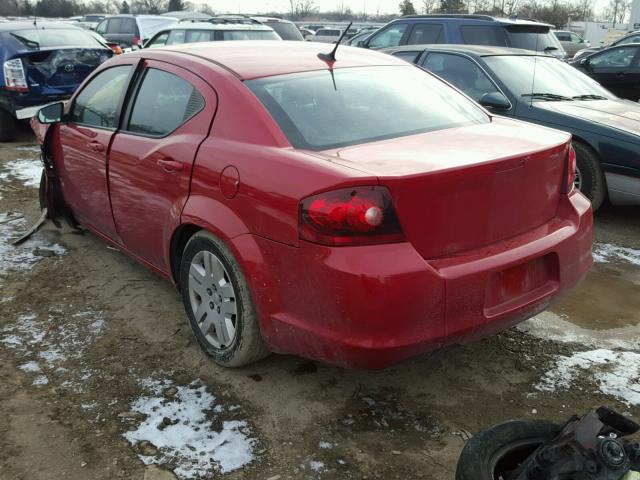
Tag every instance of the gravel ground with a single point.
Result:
(102, 379)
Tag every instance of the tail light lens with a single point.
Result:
(136, 41)
(571, 171)
(350, 216)
(14, 77)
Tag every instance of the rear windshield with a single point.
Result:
(249, 35)
(365, 104)
(59, 37)
(537, 39)
(286, 30)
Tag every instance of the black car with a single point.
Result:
(605, 129)
(616, 68)
(633, 37)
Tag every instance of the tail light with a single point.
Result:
(14, 77)
(571, 171)
(350, 216)
(136, 41)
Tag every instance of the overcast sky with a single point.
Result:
(259, 6)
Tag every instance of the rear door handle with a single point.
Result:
(95, 146)
(170, 166)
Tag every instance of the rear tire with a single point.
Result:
(592, 182)
(219, 304)
(7, 126)
(500, 449)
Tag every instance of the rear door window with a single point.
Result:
(194, 36)
(98, 102)
(483, 35)
(389, 37)
(424, 33)
(619, 58)
(176, 36)
(164, 102)
(115, 25)
(461, 72)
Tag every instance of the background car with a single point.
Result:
(286, 29)
(194, 32)
(327, 35)
(130, 31)
(42, 63)
(633, 37)
(91, 21)
(357, 212)
(616, 68)
(466, 29)
(571, 42)
(307, 34)
(605, 129)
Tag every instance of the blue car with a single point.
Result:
(42, 62)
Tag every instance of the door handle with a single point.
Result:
(170, 166)
(95, 146)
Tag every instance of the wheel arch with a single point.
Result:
(589, 146)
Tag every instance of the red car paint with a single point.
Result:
(490, 238)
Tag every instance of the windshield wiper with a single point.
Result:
(589, 97)
(26, 41)
(548, 49)
(547, 96)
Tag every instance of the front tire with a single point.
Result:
(589, 175)
(495, 452)
(218, 303)
(7, 126)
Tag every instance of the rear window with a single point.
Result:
(366, 104)
(537, 39)
(249, 35)
(328, 33)
(484, 35)
(286, 30)
(46, 38)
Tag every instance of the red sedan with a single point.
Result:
(358, 212)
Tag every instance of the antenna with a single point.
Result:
(533, 81)
(331, 57)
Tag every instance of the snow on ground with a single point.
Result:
(25, 255)
(179, 426)
(26, 170)
(617, 373)
(607, 252)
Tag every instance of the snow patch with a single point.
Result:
(609, 253)
(30, 367)
(316, 466)
(26, 170)
(180, 427)
(325, 445)
(41, 380)
(617, 373)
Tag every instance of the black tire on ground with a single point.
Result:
(593, 182)
(502, 448)
(42, 190)
(248, 345)
(7, 126)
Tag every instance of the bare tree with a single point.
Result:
(429, 6)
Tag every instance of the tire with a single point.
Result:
(7, 126)
(592, 182)
(498, 450)
(210, 277)
(42, 190)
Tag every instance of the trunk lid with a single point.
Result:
(469, 187)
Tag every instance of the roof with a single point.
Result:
(477, 50)
(255, 59)
(40, 24)
(485, 18)
(217, 26)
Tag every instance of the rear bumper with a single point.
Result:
(25, 105)
(373, 306)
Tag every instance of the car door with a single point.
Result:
(85, 140)
(152, 155)
(612, 68)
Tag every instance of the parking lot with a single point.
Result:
(97, 359)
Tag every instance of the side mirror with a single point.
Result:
(495, 101)
(585, 63)
(51, 113)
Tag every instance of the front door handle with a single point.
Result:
(170, 166)
(95, 146)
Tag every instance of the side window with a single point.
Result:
(164, 102)
(159, 41)
(102, 27)
(176, 36)
(407, 56)
(575, 38)
(631, 39)
(194, 36)
(128, 26)
(115, 25)
(481, 35)
(563, 36)
(461, 72)
(617, 58)
(424, 33)
(97, 103)
(390, 37)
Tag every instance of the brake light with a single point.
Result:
(350, 216)
(14, 77)
(571, 171)
(136, 41)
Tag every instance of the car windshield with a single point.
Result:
(249, 35)
(363, 105)
(552, 76)
(47, 38)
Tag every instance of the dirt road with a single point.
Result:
(102, 379)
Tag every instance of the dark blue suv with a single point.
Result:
(42, 62)
(466, 29)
